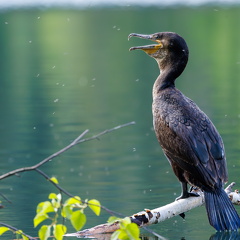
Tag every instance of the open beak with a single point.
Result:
(150, 49)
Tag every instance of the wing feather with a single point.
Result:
(200, 148)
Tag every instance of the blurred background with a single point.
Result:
(65, 67)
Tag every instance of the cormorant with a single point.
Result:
(187, 136)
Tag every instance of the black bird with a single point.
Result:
(187, 136)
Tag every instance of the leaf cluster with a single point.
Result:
(72, 209)
(18, 232)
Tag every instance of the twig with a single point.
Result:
(106, 131)
(4, 197)
(75, 142)
(36, 168)
(16, 230)
(24, 169)
(72, 196)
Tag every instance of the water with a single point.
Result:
(64, 71)
(107, 3)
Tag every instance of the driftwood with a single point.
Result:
(157, 215)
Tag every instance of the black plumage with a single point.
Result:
(187, 136)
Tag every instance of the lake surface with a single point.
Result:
(63, 71)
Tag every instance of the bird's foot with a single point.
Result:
(187, 195)
(182, 215)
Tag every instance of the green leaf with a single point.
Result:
(19, 231)
(44, 232)
(124, 222)
(56, 200)
(40, 217)
(4, 229)
(59, 231)
(113, 219)
(75, 200)
(24, 237)
(42, 209)
(95, 206)
(55, 204)
(54, 180)
(128, 230)
(67, 211)
(132, 231)
(52, 196)
(45, 207)
(115, 235)
(120, 234)
(78, 219)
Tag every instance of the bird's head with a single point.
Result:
(169, 49)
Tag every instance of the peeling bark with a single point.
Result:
(157, 215)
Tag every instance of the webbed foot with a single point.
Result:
(187, 195)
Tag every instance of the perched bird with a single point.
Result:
(187, 136)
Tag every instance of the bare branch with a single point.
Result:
(72, 196)
(16, 230)
(25, 169)
(75, 142)
(106, 131)
(4, 197)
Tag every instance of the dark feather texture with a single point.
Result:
(187, 136)
(221, 213)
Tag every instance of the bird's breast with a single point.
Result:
(170, 113)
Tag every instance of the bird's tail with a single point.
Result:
(221, 212)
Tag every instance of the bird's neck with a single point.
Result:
(168, 73)
(165, 80)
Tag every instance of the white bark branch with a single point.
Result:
(157, 215)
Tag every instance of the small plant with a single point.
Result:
(72, 209)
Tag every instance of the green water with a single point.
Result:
(64, 71)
